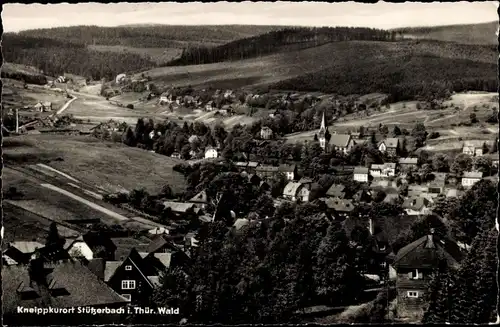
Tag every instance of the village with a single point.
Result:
(241, 174)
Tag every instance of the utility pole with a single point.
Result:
(17, 121)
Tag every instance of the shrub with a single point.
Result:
(130, 106)
(434, 135)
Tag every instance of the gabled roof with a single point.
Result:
(266, 129)
(154, 280)
(408, 161)
(164, 258)
(26, 247)
(252, 164)
(287, 168)
(426, 252)
(97, 266)
(473, 174)
(97, 240)
(110, 269)
(200, 197)
(159, 242)
(361, 170)
(240, 223)
(291, 189)
(267, 168)
(82, 286)
(178, 206)
(340, 140)
(340, 205)
(336, 190)
(415, 203)
(391, 142)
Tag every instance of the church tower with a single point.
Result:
(322, 133)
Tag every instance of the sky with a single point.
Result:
(17, 17)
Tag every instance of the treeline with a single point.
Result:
(27, 78)
(55, 58)
(158, 36)
(274, 41)
(404, 78)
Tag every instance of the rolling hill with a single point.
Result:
(484, 33)
(345, 67)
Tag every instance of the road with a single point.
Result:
(66, 105)
(86, 202)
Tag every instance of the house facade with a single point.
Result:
(408, 163)
(470, 178)
(266, 172)
(383, 170)
(389, 146)
(414, 265)
(290, 171)
(361, 174)
(469, 149)
(266, 133)
(211, 153)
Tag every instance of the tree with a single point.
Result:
(396, 131)
(128, 137)
(473, 118)
(419, 133)
(166, 192)
(53, 238)
(440, 163)
(461, 163)
(483, 164)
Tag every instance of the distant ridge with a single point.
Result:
(482, 33)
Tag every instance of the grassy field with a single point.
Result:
(18, 96)
(104, 165)
(158, 55)
(444, 121)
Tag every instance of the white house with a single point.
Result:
(120, 78)
(384, 170)
(417, 206)
(211, 153)
(479, 152)
(79, 248)
(209, 106)
(361, 174)
(470, 178)
(296, 191)
(469, 149)
(288, 170)
(389, 145)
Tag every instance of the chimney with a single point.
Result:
(17, 121)
(430, 240)
(370, 226)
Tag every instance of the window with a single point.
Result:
(415, 274)
(128, 284)
(412, 294)
(127, 296)
(128, 267)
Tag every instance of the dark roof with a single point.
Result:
(340, 205)
(267, 168)
(408, 161)
(426, 252)
(336, 190)
(159, 242)
(200, 197)
(96, 240)
(97, 266)
(340, 140)
(83, 288)
(415, 203)
(361, 170)
(391, 142)
(287, 168)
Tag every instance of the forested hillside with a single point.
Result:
(287, 39)
(467, 34)
(55, 57)
(150, 36)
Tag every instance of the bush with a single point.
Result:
(434, 135)
(130, 106)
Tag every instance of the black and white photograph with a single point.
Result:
(250, 163)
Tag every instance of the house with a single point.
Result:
(200, 200)
(64, 284)
(180, 208)
(266, 172)
(469, 149)
(131, 277)
(20, 252)
(252, 166)
(264, 186)
(211, 153)
(307, 182)
(290, 171)
(161, 244)
(43, 106)
(389, 146)
(408, 163)
(209, 106)
(470, 178)
(417, 206)
(392, 198)
(120, 78)
(414, 265)
(336, 191)
(341, 143)
(266, 133)
(478, 152)
(240, 165)
(383, 170)
(417, 190)
(240, 223)
(175, 155)
(342, 207)
(91, 245)
(362, 195)
(295, 191)
(494, 159)
(61, 79)
(361, 174)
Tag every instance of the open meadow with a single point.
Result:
(107, 166)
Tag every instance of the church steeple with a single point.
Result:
(323, 125)
(322, 133)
